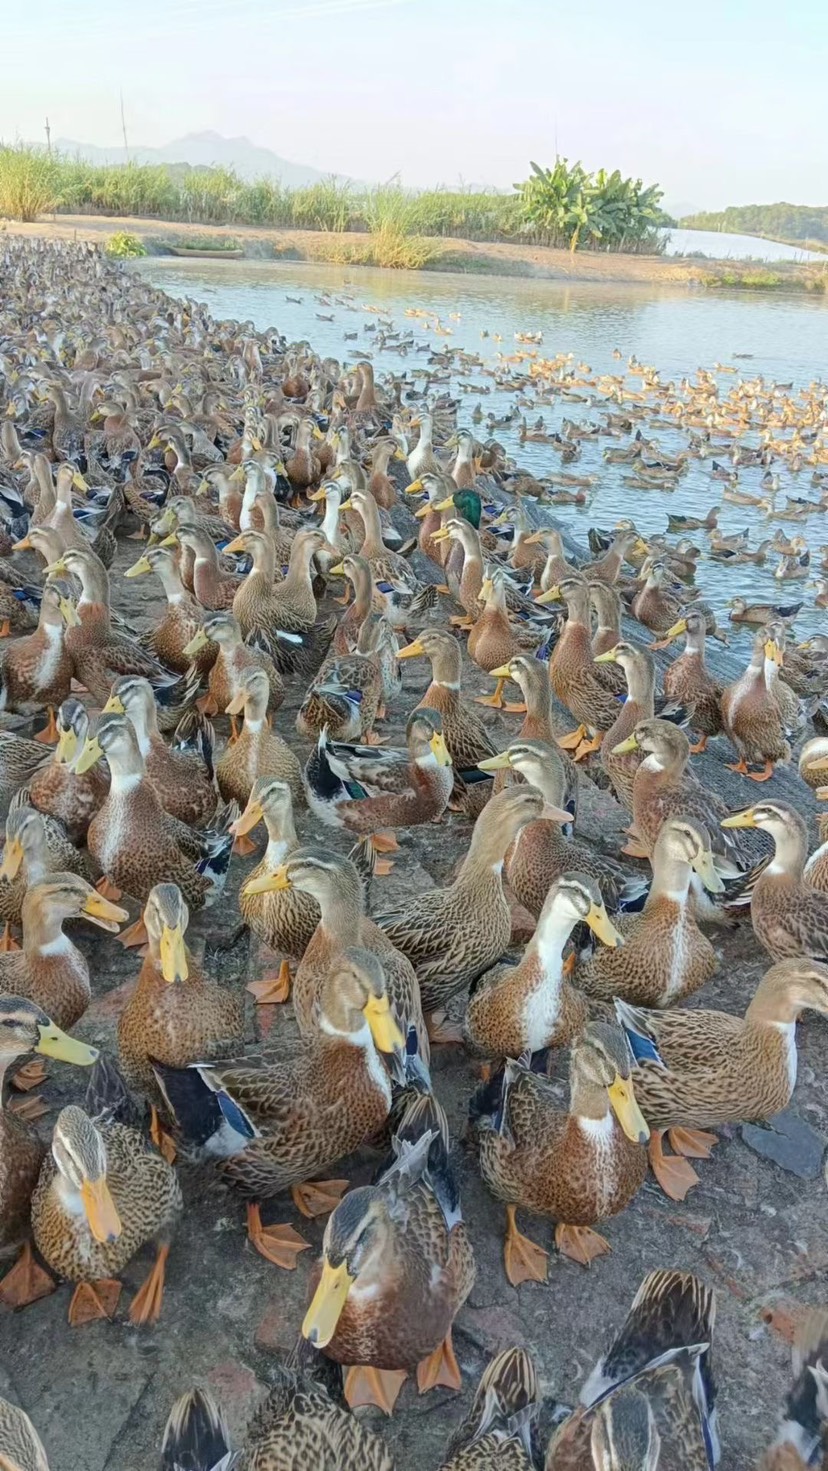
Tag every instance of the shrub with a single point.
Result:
(124, 246)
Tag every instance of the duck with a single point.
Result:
(49, 969)
(742, 611)
(236, 657)
(515, 1009)
(336, 885)
(347, 693)
(788, 913)
(388, 566)
(801, 1432)
(20, 760)
(212, 588)
(358, 573)
(452, 935)
(751, 717)
(651, 1397)
(283, 920)
(175, 1015)
(284, 615)
(697, 1070)
(575, 679)
(606, 605)
(494, 639)
(135, 842)
(290, 1120)
(368, 791)
(182, 620)
(20, 1445)
(259, 750)
(182, 774)
(688, 681)
(380, 484)
(467, 740)
(810, 763)
(397, 1265)
(579, 1166)
(422, 460)
(464, 576)
(664, 957)
(102, 1194)
(24, 1029)
(55, 789)
(36, 671)
(653, 606)
(35, 847)
(499, 1427)
(639, 675)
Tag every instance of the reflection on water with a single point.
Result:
(718, 245)
(780, 337)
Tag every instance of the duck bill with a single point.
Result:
(821, 764)
(676, 631)
(114, 706)
(198, 642)
(347, 505)
(103, 913)
(739, 819)
(139, 568)
(439, 749)
(415, 488)
(556, 814)
(52, 1042)
(169, 541)
(252, 814)
(487, 589)
(415, 650)
(67, 747)
(329, 1299)
(624, 747)
(626, 1110)
(104, 1221)
(600, 922)
(12, 859)
(534, 538)
(703, 864)
(552, 595)
(445, 505)
(56, 569)
(236, 705)
(441, 535)
(606, 658)
(502, 672)
(319, 495)
(269, 883)
(92, 753)
(173, 954)
(236, 545)
(338, 570)
(69, 613)
(774, 653)
(23, 546)
(422, 511)
(384, 1030)
(78, 482)
(500, 762)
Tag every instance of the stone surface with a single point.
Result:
(789, 1142)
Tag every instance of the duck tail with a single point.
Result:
(108, 1098)
(425, 599)
(196, 1437)
(635, 1024)
(194, 732)
(806, 1406)
(209, 1120)
(506, 1403)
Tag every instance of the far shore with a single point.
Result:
(462, 256)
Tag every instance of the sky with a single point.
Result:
(719, 101)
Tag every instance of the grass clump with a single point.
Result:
(123, 246)
(29, 184)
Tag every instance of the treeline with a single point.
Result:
(774, 221)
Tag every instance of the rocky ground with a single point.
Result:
(753, 1228)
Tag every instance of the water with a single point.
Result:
(716, 245)
(780, 337)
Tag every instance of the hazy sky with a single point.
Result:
(722, 101)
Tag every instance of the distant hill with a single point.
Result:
(775, 221)
(203, 150)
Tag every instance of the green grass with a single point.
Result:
(29, 183)
(766, 280)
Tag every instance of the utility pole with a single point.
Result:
(48, 139)
(123, 127)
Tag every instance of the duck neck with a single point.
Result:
(671, 879)
(547, 943)
(790, 855)
(373, 544)
(641, 686)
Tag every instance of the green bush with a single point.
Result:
(567, 207)
(125, 247)
(29, 183)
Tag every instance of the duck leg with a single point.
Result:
(26, 1282)
(440, 1367)
(495, 700)
(234, 731)
(134, 936)
(693, 1143)
(367, 1386)
(93, 1300)
(146, 1304)
(272, 990)
(580, 1243)
(5, 629)
(50, 734)
(764, 775)
(516, 708)
(740, 766)
(522, 1259)
(384, 843)
(699, 747)
(318, 1197)
(573, 740)
(108, 890)
(441, 1030)
(161, 1138)
(30, 1075)
(635, 847)
(280, 1244)
(7, 941)
(675, 1176)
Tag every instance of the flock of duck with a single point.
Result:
(128, 414)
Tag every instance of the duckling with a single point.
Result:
(578, 1167)
(56, 790)
(182, 774)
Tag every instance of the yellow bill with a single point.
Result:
(626, 1110)
(411, 651)
(552, 595)
(740, 819)
(12, 859)
(198, 642)
(329, 1299)
(139, 568)
(599, 921)
(173, 954)
(624, 747)
(53, 1042)
(440, 749)
(269, 883)
(384, 1030)
(103, 913)
(103, 1218)
(92, 752)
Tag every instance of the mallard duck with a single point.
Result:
(606, 605)
(24, 1028)
(664, 957)
(36, 846)
(452, 935)
(607, 568)
(283, 614)
(212, 588)
(789, 915)
(181, 621)
(651, 1398)
(336, 886)
(498, 1430)
(291, 1120)
(397, 1265)
(387, 566)
(136, 843)
(544, 849)
(175, 1015)
(258, 751)
(639, 676)
(283, 919)
(697, 1070)
(368, 791)
(654, 606)
(688, 681)
(527, 1007)
(575, 679)
(347, 693)
(751, 717)
(540, 721)
(578, 1167)
(49, 969)
(467, 740)
(102, 1194)
(741, 611)
(801, 1433)
(494, 640)
(55, 788)
(37, 670)
(21, 1448)
(791, 709)
(20, 760)
(182, 774)
(236, 658)
(464, 581)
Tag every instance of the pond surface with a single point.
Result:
(780, 337)
(717, 245)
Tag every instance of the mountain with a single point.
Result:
(678, 208)
(204, 150)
